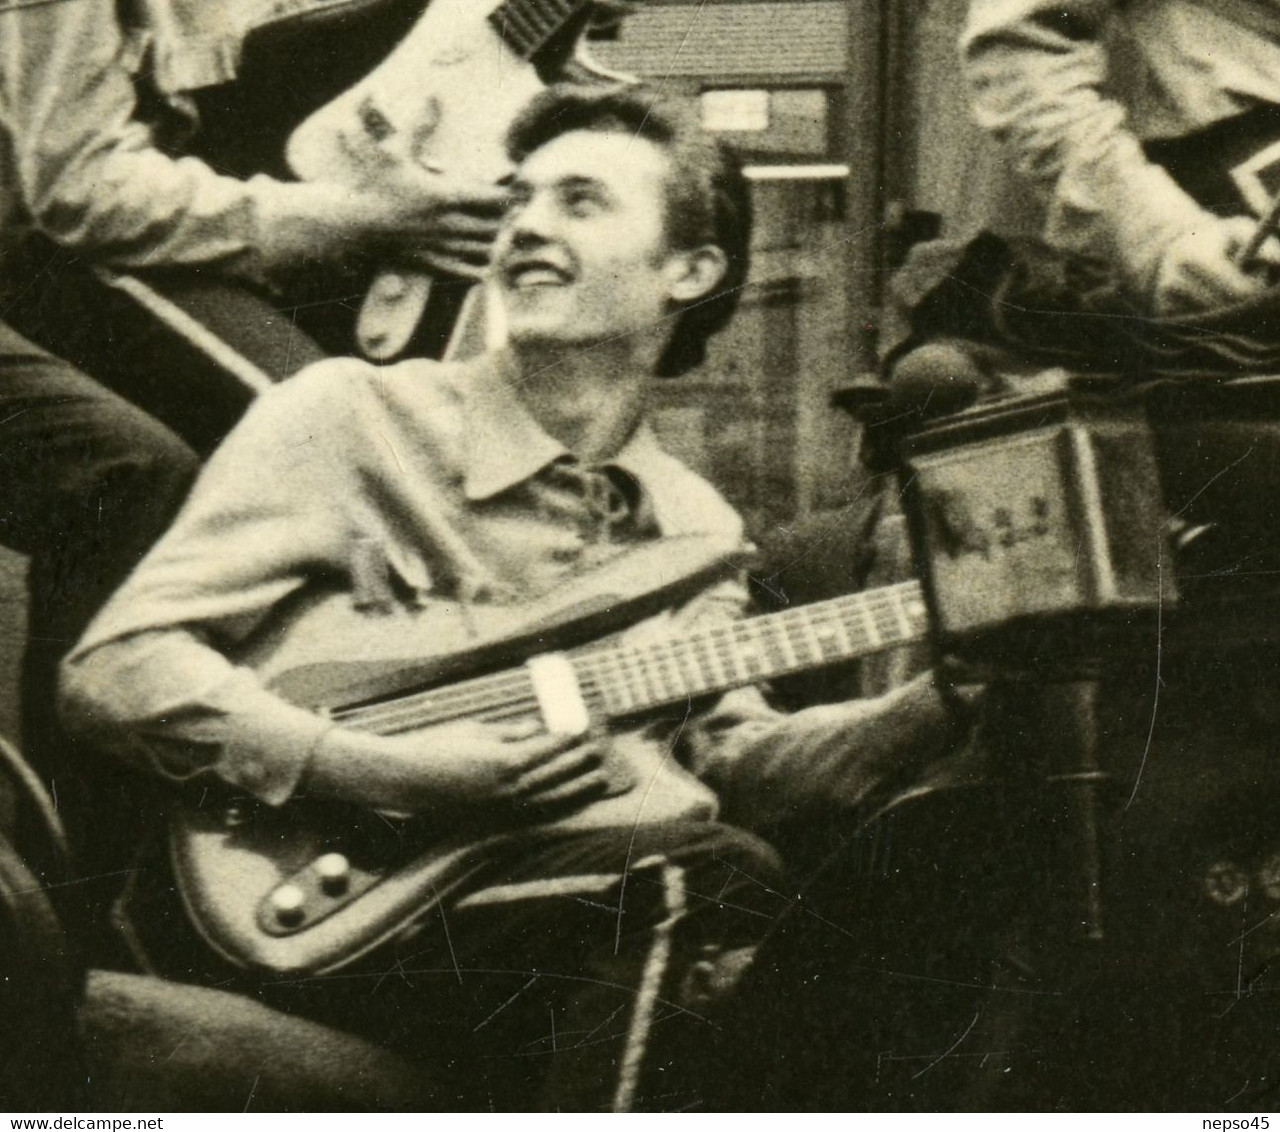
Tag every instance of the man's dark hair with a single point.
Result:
(708, 201)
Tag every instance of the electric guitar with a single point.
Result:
(442, 99)
(312, 886)
(1231, 167)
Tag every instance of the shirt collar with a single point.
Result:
(505, 445)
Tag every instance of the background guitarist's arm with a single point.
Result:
(769, 767)
(1040, 72)
(93, 175)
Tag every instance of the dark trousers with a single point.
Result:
(87, 483)
(579, 972)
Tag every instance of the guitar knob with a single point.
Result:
(288, 902)
(235, 814)
(391, 287)
(334, 871)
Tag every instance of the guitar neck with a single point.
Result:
(527, 26)
(633, 679)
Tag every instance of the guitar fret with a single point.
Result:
(799, 640)
(679, 684)
(628, 697)
(701, 653)
(655, 675)
(914, 602)
(515, 23)
(773, 641)
(723, 646)
(638, 683)
(629, 679)
(692, 674)
(746, 639)
(678, 668)
(604, 671)
(845, 637)
(846, 627)
(688, 679)
(826, 632)
(630, 691)
(819, 638)
(673, 670)
(529, 25)
(708, 660)
(870, 628)
(886, 623)
(661, 669)
(862, 625)
(904, 622)
(646, 672)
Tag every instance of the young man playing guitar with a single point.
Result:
(150, 136)
(1090, 97)
(615, 906)
(100, 128)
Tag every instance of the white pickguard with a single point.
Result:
(442, 100)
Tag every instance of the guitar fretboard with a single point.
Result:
(629, 680)
(527, 26)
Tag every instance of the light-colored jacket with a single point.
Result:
(1045, 75)
(78, 165)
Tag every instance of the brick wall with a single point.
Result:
(781, 39)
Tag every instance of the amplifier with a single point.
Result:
(1039, 526)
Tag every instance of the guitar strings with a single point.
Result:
(511, 691)
(616, 673)
(629, 665)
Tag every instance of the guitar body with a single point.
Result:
(445, 97)
(443, 100)
(228, 857)
(232, 858)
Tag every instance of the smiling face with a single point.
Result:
(584, 257)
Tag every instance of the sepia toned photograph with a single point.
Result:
(639, 556)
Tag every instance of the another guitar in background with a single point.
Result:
(1232, 167)
(231, 341)
(443, 99)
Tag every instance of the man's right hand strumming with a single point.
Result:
(502, 769)
(1202, 268)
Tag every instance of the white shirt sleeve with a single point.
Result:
(153, 680)
(89, 174)
(1037, 71)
